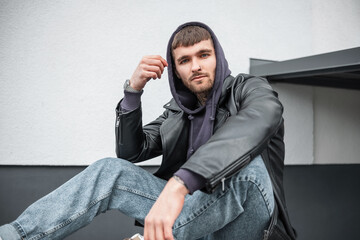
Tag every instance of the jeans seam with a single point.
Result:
(202, 210)
(19, 229)
(137, 192)
(261, 189)
(71, 218)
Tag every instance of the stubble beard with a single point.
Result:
(202, 92)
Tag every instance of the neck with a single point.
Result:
(202, 97)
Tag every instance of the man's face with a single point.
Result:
(195, 66)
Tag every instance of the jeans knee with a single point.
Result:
(109, 162)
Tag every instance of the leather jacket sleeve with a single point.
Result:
(141, 143)
(243, 136)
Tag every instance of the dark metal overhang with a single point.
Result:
(340, 69)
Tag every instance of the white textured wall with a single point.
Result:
(298, 117)
(337, 126)
(336, 26)
(63, 64)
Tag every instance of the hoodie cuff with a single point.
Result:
(192, 180)
(131, 101)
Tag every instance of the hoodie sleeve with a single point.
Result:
(131, 101)
(192, 180)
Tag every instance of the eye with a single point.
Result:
(183, 61)
(204, 55)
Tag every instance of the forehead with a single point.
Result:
(194, 49)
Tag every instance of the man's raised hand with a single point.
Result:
(150, 67)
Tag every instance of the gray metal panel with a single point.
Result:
(336, 69)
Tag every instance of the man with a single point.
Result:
(222, 144)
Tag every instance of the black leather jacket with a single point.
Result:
(248, 123)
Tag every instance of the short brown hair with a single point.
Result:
(189, 35)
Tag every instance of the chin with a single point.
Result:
(201, 90)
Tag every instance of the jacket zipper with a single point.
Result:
(266, 234)
(273, 220)
(275, 214)
(119, 128)
(222, 120)
(227, 173)
(223, 184)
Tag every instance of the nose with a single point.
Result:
(195, 66)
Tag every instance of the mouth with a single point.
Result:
(197, 77)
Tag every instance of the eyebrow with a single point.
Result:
(206, 50)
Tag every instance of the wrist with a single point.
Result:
(135, 87)
(193, 181)
(180, 186)
(129, 87)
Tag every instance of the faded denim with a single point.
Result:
(241, 211)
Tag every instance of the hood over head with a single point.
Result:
(186, 100)
(201, 117)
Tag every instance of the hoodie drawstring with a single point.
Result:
(191, 148)
(212, 115)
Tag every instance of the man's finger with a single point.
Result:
(159, 232)
(158, 57)
(154, 69)
(150, 75)
(168, 232)
(164, 62)
(149, 233)
(154, 62)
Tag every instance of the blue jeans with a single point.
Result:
(241, 211)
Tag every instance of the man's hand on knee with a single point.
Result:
(162, 216)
